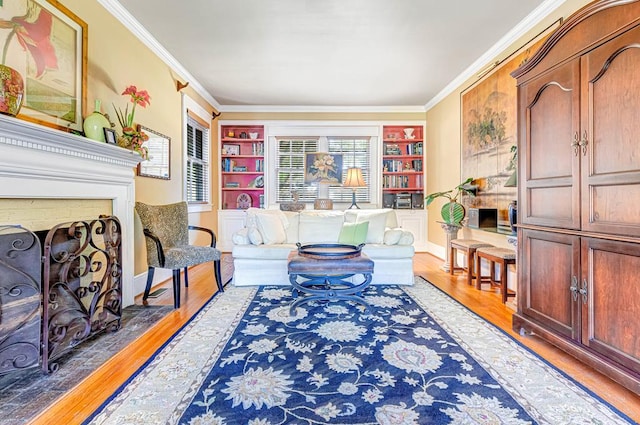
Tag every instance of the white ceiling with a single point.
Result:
(329, 53)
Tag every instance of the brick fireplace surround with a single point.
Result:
(38, 162)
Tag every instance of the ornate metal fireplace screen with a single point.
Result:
(81, 289)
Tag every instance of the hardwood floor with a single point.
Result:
(79, 403)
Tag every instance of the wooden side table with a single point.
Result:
(502, 256)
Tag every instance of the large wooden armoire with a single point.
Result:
(579, 189)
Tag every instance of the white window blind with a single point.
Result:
(290, 157)
(290, 169)
(355, 153)
(198, 174)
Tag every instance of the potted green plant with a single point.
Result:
(453, 212)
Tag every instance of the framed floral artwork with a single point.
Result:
(323, 167)
(47, 44)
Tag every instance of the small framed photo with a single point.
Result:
(232, 149)
(110, 136)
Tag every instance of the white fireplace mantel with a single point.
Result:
(40, 162)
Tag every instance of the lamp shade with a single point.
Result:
(354, 178)
(512, 181)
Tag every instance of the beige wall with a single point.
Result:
(443, 140)
(117, 59)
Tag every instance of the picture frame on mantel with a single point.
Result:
(54, 69)
(158, 162)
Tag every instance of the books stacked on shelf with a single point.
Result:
(392, 150)
(228, 165)
(257, 149)
(260, 165)
(393, 165)
(416, 164)
(414, 148)
(395, 182)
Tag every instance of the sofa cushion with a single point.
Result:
(320, 226)
(380, 251)
(263, 252)
(271, 227)
(293, 220)
(351, 216)
(353, 233)
(377, 225)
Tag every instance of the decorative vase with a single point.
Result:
(11, 90)
(452, 213)
(95, 123)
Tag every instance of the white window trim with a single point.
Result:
(324, 130)
(188, 104)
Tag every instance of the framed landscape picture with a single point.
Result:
(47, 44)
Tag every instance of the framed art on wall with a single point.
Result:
(489, 129)
(47, 44)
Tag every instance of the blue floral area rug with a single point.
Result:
(418, 358)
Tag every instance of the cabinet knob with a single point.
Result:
(576, 144)
(584, 142)
(583, 291)
(574, 288)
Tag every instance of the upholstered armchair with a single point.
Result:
(166, 231)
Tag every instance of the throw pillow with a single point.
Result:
(271, 228)
(406, 238)
(392, 236)
(377, 226)
(254, 236)
(353, 233)
(241, 237)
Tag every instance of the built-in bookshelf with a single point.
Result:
(242, 166)
(402, 166)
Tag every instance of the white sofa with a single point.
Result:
(261, 248)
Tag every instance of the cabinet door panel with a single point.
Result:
(549, 160)
(611, 159)
(549, 262)
(610, 314)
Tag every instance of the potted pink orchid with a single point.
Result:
(132, 137)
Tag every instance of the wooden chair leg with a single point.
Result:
(186, 277)
(503, 281)
(478, 266)
(218, 275)
(176, 288)
(470, 265)
(148, 287)
(492, 271)
(452, 252)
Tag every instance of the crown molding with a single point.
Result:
(527, 24)
(323, 109)
(121, 14)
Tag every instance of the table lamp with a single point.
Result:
(354, 180)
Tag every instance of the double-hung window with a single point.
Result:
(290, 166)
(198, 166)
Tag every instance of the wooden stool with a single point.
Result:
(502, 256)
(469, 246)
